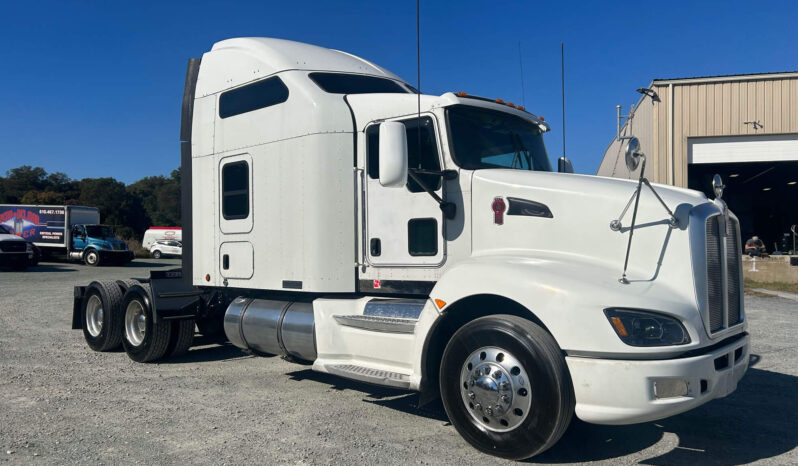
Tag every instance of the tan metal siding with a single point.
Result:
(714, 108)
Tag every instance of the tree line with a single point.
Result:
(131, 209)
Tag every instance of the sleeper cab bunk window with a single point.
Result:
(260, 94)
(235, 190)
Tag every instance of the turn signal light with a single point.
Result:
(541, 118)
(207, 277)
(440, 303)
(498, 207)
(618, 324)
(510, 104)
(461, 94)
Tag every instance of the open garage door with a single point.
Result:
(763, 195)
(734, 149)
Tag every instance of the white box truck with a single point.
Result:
(333, 215)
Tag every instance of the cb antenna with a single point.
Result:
(418, 75)
(562, 72)
(521, 64)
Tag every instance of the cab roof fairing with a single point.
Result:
(236, 61)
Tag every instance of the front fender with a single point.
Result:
(568, 295)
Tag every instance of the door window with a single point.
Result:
(422, 237)
(422, 152)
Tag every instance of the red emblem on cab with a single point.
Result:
(377, 284)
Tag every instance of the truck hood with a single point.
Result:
(569, 224)
(7, 237)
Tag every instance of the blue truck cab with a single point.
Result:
(96, 244)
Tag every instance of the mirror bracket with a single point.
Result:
(449, 209)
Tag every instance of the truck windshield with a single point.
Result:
(483, 138)
(99, 231)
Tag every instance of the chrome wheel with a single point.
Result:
(94, 315)
(135, 323)
(91, 258)
(495, 389)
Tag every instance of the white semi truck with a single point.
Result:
(334, 215)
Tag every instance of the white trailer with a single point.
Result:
(333, 215)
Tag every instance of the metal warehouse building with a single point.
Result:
(743, 127)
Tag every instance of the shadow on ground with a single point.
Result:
(741, 428)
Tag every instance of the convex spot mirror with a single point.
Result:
(633, 154)
(393, 154)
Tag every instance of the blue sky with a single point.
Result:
(94, 88)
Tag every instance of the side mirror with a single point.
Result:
(564, 165)
(393, 154)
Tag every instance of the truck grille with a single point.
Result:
(12, 246)
(724, 308)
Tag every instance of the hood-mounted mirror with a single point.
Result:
(718, 186)
(633, 154)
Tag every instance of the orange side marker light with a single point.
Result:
(440, 303)
(616, 322)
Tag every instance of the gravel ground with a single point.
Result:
(63, 403)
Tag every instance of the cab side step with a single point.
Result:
(377, 324)
(369, 375)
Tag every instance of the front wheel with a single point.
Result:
(505, 386)
(156, 254)
(92, 258)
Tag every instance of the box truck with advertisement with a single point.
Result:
(333, 215)
(73, 231)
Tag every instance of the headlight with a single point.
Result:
(644, 328)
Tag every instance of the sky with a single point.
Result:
(94, 89)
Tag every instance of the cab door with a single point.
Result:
(78, 238)
(404, 226)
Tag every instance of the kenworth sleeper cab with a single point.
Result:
(333, 215)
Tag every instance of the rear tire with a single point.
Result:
(144, 339)
(181, 338)
(505, 386)
(101, 316)
(92, 258)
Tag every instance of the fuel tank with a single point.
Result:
(272, 327)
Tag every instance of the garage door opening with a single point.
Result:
(763, 195)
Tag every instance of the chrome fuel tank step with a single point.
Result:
(272, 327)
(386, 315)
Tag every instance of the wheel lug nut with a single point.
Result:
(471, 395)
(489, 412)
(478, 407)
(505, 399)
(504, 385)
(497, 375)
(471, 383)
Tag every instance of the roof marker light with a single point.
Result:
(498, 207)
(519, 107)
(499, 101)
(461, 94)
(541, 118)
(510, 104)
